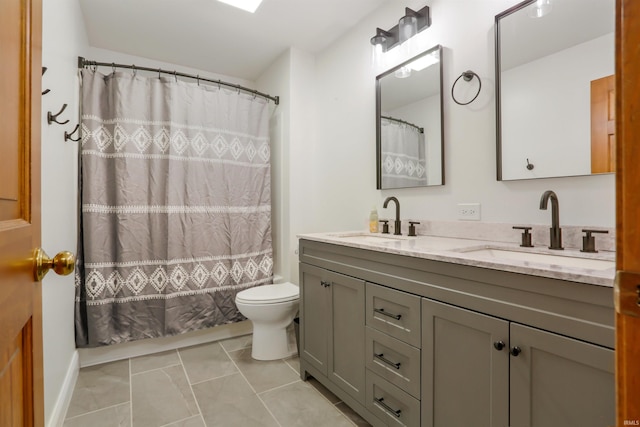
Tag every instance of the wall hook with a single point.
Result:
(54, 117)
(46, 91)
(67, 136)
(529, 165)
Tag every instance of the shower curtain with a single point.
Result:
(403, 155)
(175, 206)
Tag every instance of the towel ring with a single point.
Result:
(467, 75)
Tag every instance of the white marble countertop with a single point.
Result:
(569, 264)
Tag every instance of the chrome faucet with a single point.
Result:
(555, 238)
(396, 224)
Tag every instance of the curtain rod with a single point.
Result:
(421, 130)
(82, 63)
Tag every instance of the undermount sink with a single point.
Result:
(365, 237)
(553, 259)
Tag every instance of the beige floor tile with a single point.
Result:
(299, 404)
(237, 343)
(161, 397)
(154, 361)
(263, 375)
(114, 416)
(205, 362)
(294, 362)
(229, 401)
(189, 422)
(100, 387)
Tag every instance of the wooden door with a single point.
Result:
(603, 133)
(21, 381)
(628, 205)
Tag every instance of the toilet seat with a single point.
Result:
(269, 294)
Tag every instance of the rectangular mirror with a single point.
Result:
(409, 135)
(555, 94)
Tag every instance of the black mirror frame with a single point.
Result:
(379, 113)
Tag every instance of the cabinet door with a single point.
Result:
(346, 338)
(559, 381)
(314, 317)
(465, 378)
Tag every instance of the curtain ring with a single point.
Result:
(218, 84)
(159, 72)
(175, 76)
(198, 79)
(467, 75)
(135, 70)
(113, 67)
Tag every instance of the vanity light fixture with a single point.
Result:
(408, 26)
(248, 5)
(539, 8)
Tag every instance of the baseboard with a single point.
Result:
(96, 356)
(66, 392)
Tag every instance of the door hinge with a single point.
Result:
(627, 293)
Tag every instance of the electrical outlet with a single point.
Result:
(469, 211)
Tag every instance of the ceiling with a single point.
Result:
(213, 36)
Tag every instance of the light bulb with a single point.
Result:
(539, 9)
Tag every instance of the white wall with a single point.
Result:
(344, 155)
(63, 39)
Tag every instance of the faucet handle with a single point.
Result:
(526, 237)
(412, 228)
(385, 226)
(589, 241)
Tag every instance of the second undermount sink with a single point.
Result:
(365, 237)
(561, 259)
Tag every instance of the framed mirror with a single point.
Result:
(409, 131)
(555, 92)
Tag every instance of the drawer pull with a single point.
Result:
(384, 313)
(389, 409)
(325, 284)
(387, 361)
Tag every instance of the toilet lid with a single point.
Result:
(269, 294)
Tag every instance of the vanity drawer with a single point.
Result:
(394, 312)
(390, 404)
(393, 360)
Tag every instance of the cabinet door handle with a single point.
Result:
(387, 361)
(499, 345)
(389, 409)
(325, 284)
(515, 351)
(384, 313)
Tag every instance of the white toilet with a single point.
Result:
(271, 309)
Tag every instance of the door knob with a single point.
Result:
(515, 351)
(63, 263)
(499, 345)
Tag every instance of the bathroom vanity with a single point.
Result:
(439, 331)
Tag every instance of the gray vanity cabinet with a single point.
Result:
(482, 370)
(558, 381)
(332, 323)
(414, 342)
(465, 377)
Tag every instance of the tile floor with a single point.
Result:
(215, 384)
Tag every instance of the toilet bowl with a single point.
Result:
(271, 309)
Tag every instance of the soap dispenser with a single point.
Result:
(373, 220)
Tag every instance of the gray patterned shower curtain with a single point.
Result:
(175, 206)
